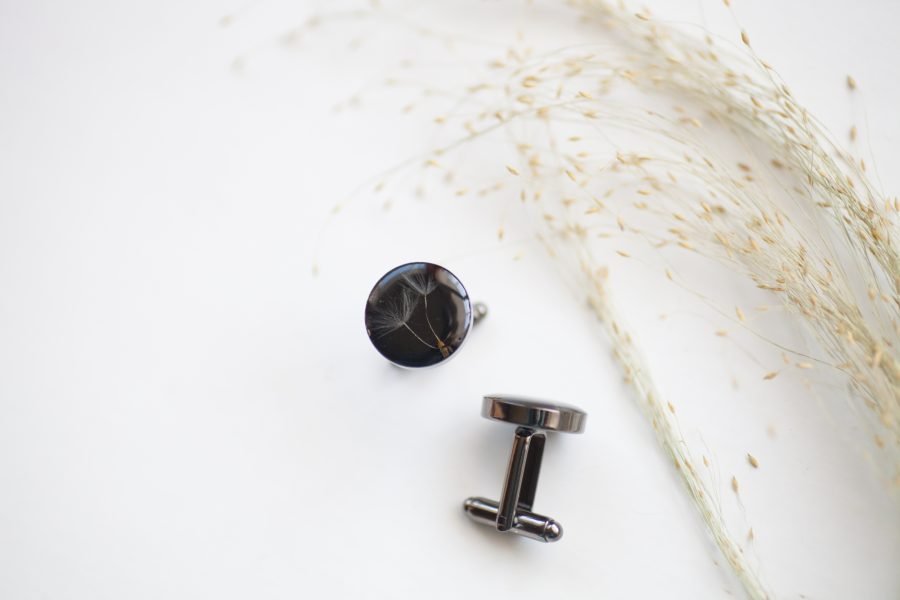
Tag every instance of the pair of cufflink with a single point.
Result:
(419, 315)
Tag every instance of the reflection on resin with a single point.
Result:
(418, 315)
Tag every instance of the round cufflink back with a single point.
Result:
(419, 315)
(513, 513)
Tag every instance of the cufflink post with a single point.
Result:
(513, 513)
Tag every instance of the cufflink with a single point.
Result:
(419, 315)
(513, 513)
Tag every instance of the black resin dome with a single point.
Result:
(418, 315)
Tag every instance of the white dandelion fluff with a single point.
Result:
(422, 282)
(393, 313)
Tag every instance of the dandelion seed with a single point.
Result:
(851, 83)
(745, 38)
(752, 460)
(721, 333)
(423, 283)
(392, 314)
(739, 313)
(853, 133)
(770, 376)
(623, 253)
(734, 484)
(512, 170)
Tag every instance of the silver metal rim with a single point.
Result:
(537, 414)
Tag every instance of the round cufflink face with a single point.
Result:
(418, 315)
(536, 414)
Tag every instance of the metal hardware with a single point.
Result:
(513, 513)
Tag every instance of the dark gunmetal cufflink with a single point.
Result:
(419, 314)
(513, 513)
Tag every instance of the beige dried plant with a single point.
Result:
(616, 141)
(797, 215)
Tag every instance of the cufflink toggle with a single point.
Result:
(513, 513)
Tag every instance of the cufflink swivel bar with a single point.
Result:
(513, 513)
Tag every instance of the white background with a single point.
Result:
(186, 411)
